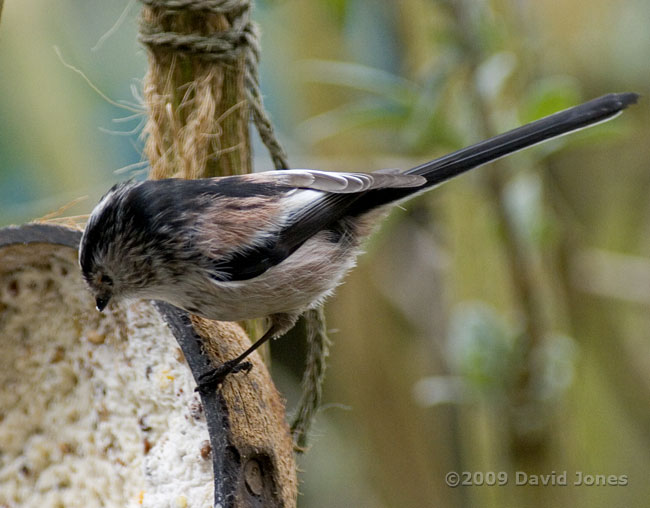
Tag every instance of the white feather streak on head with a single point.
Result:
(96, 212)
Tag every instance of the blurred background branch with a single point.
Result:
(528, 432)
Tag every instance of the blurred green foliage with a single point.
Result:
(480, 348)
(557, 380)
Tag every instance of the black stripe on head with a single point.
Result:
(230, 186)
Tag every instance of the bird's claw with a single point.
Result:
(208, 381)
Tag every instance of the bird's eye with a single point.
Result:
(105, 279)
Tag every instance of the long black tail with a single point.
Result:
(578, 117)
(442, 169)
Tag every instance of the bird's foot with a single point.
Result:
(208, 381)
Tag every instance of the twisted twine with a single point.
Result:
(312, 380)
(225, 46)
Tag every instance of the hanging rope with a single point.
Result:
(224, 46)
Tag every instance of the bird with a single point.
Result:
(271, 244)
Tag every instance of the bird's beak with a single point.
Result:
(102, 302)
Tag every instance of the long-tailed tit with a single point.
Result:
(269, 244)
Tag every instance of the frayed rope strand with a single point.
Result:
(312, 381)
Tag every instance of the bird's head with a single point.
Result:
(109, 252)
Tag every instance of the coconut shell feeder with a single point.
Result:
(100, 409)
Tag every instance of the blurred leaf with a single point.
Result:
(364, 113)
(493, 73)
(387, 111)
(427, 124)
(415, 112)
(525, 204)
(435, 390)
(337, 8)
(555, 360)
(361, 77)
(480, 346)
(549, 95)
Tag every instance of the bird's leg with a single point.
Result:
(214, 377)
(280, 323)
